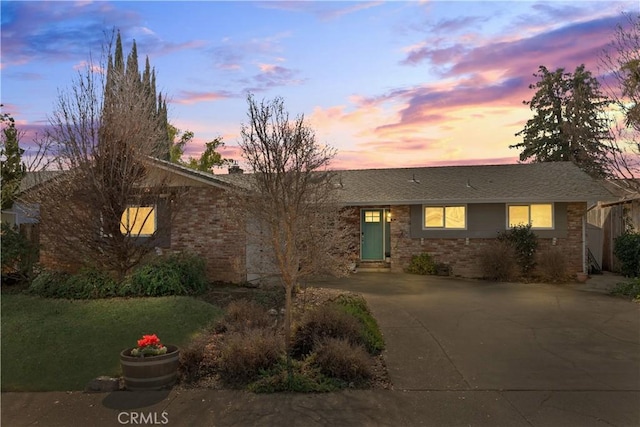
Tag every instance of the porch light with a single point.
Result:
(388, 216)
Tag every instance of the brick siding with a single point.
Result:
(207, 226)
(463, 256)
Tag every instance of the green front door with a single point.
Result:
(372, 225)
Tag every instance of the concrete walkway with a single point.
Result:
(459, 353)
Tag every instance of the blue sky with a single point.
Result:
(389, 84)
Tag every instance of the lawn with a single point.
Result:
(53, 344)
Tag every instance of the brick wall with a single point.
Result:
(463, 256)
(203, 224)
(206, 225)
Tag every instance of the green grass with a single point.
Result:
(61, 345)
(357, 307)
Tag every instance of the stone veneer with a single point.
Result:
(463, 258)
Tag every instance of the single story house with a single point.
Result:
(451, 212)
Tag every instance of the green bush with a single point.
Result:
(370, 333)
(422, 264)
(243, 355)
(326, 321)
(49, 284)
(86, 284)
(180, 274)
(18, 255)
(341, 359)
(156, 279)
(627, 249)
(524, 242)
(629, 289)
(498, 262)
(173, 275)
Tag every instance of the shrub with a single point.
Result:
(89, 283)
(524, 243)
(306, 378)
(339, 358)
(86, 284)
(244, 354)
(18, 255)
(48, 284)
(629, 289)
(156, 279)
(370, 333)
(245, 314)
(498, 262)
(422, 264)
(192, 271)
(326, 321)
(195, 360)
(180, 274)
(627, 249)
(552, 265)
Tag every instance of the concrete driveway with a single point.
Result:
(544, 348)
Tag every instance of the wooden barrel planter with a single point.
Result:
(150, 372)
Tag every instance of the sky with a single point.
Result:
(388, 84)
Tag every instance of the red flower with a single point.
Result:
(149, 340)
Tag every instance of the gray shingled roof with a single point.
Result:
(548, 182)
(532, 182)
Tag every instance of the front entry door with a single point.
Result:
(373, 222)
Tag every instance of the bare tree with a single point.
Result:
(291, 198)
(109, 207)
(621, 64)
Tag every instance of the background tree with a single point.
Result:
(180, 140)
(209, 158)
(11, 164)
(570, 122)
(291, 199)
(105, 130)
(621, 67)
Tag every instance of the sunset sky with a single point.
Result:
(389, 84)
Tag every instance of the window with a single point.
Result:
(453, 217)
(538, 215)
(138, 221)
(372, 216)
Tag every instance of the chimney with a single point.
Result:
(234, 168)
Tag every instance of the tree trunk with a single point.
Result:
(287, 329)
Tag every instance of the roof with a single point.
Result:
(532, 182)
(624, 190)
(205, 177)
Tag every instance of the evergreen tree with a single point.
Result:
(569, 124)
(12, 167)
(144, 86)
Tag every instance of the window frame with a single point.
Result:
(528, 205)
(444, 217)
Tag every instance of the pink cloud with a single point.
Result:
(190, 97)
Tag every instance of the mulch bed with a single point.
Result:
(273, 299)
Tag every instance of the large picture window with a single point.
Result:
(447, 217)
(539, 215)
(138, 221)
